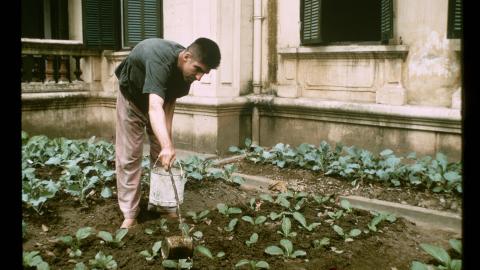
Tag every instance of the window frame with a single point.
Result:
(386, 26)
(126, 42)
(455, 8)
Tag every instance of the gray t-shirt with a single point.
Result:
(151, 67)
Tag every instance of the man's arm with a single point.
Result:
(161, 116)
(169, 108)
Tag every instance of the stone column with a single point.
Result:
(211, 104)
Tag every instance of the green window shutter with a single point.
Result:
(455, 19)
(311, 21)
(100, 18)
(142, 19)
(386, 20)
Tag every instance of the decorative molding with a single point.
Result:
(56, 47)
(66, 100)
(213, 106)
(348, 51)
(115, 56)
(435, 119)
(40, 87)
(81, 99)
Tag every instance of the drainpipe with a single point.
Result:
(257, 46)
(257, 71)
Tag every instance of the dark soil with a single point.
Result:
(395, 246)
(310, 181)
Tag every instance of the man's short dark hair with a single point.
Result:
(205, 51)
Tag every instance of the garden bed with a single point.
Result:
(372, 250)
(70, 210)
(307, 180)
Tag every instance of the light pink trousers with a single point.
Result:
(129, 138)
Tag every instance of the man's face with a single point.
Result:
(193, 70)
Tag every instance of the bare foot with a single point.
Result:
(128, 223)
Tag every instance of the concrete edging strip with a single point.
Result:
(256, 182)
(227, 160)
(422, 216)
(439, 219)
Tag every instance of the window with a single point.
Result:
(141, 19)
(455, 19)
(107, 24)
(47, 19)
(104, 29)
(100, 24)
(346, 21)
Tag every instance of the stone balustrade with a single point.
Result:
(53, 61)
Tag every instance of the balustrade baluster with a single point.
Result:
(78, 71)
(49, 69)
(64, 63)
(36, 68)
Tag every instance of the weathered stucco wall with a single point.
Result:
(430, 74)
(72, 115)
(433, 66)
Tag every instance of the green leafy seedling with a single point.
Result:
(75, 243)
(441, 256)
(253, 264)
(80, 266)
(345, 204)
(259, 220)
(33, 259)
(266, 197)
(275, 216)
(379, 217)
(227, 211)
(347, 237)
(336, 215)
(287, 250)
(301, 219)
(252, 204)
(253, 239)
(231, 225)
(180, 264)
(207, 253)
(110, 240)
(321, 243)
(163, 226)
(197, 235)
(103, 261)
(299, 204)
(283, 202)
(155, 251)
(201, 216)
(185, 229)
(321, 199)
(286, 228)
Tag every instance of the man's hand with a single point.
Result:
(167, 157)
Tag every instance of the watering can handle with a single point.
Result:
(179, 163)
(176, 196)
